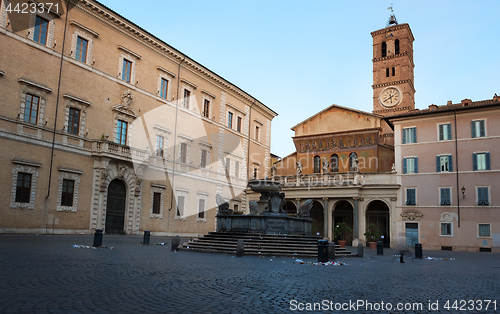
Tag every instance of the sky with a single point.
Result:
(299, 57)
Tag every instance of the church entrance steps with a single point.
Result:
(260, 244)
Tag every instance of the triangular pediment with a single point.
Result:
(125, 110)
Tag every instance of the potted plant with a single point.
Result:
(341, 231)
(372, 235)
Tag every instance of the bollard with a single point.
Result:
(418, 250)
(147, 234)
(380, 248)
(360, 250)
(240, 248)
(331, 251)
(322, 250)
(97, 238)
(176, 241)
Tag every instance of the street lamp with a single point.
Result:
(463, 192)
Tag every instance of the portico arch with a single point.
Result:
(378, 213)
(343, 212)
(317, 215)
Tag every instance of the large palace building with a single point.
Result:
(364, 169)
(105, 126)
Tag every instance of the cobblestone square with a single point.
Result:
(46, 274)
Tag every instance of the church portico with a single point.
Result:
(370, 199)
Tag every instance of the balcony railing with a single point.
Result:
(119, 151)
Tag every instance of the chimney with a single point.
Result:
(495, 98)
(448, 103)
(433, 107)
(466, 102)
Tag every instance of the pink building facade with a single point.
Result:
(447, 161)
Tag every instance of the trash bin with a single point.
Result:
(97, 238)
(322, 250)
(418, 250)
(380, 248)
(360, 250)
(147, 234)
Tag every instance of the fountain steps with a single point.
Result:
(260, 244)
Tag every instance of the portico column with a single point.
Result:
(355, 216)
(298, 204)
(326, 222)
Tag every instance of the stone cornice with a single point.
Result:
(70, 170)
(406, 53)
(26, 163)
(85, 28)
(44, 88)
(84, 102)
(111, 18)
(393, 28)
(166, 71)
(395, 83)
(392, 110)
(138, 56)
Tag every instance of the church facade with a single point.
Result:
(344, 158)
(105, 126)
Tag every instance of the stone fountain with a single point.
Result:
(267, 215)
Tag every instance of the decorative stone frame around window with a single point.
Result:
(488, 196)
(26, 167)
(168, 76)
(68, 174)
(77, 103)
(132, 57)
(183, 208)
(479, 230)
(202, 196)
(3, 13)
(157, 188)
(207, 98)
(50, 30)
(163, 132)
(28, 87)
(441, 229)
(88, 35)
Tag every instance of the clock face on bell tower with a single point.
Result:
(393, 88)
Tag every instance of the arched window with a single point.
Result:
(396, 48)
(317, 164)
(352, 157)
(387, 72)
(393, 71)
(334, 163)
(384, 49)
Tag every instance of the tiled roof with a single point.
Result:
(464, 105)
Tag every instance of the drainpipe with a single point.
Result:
(248, 149)
(55, 125)
(249, 139)
(456, 171)
(57, 101)
(175, 131)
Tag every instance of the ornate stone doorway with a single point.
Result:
(343, 213)
(378, 214)
(115, 207)
(317, 215)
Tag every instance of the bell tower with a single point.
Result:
(393, 81)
